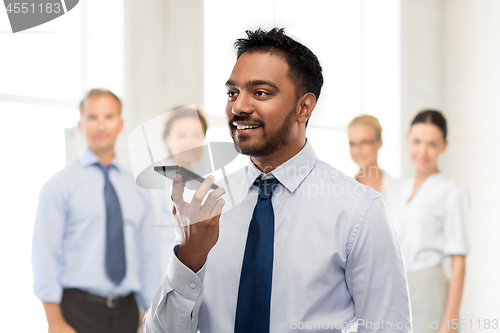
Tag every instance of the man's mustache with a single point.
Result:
(245, 119)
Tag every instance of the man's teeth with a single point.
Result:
(242, 127)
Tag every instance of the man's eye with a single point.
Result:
(232, 93)
(261, 93)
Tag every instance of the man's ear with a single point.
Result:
(307, 103)
(80, 128)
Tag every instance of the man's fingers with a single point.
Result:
(219, 205)
(178, 190)
(200, 193)
(208, 205)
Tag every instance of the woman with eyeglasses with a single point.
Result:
(429, 212)
(365, 139)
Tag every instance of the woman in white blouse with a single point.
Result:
(365, 139)
(429, 211)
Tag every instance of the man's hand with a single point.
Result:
(142, 312)
(55, 319)
(199, 223)
(61, 327)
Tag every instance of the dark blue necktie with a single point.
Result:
(254, 295)
(115, 240)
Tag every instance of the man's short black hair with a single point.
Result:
(304, 68)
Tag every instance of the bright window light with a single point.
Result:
(32, 141)
(44, 73)
(358, 45)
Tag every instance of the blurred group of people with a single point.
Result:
(96, 274)
(101, 243)
(429, 211)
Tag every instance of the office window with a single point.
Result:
(44, 73)
(357, 43)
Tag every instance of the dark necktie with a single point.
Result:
(115, 240)
(254, 295)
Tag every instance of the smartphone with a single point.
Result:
(191, 179)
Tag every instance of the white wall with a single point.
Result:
(421, 64)
(471, 98)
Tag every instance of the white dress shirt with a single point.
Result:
(387, 183)
(432, 224)
(336, 258)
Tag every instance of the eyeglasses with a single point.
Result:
(363, 143)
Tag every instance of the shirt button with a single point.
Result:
(193, 285)
(192, 319)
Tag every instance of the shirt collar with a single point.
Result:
(87, 157)
(291, 173)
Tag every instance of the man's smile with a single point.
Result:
(243, 128)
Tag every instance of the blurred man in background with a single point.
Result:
(94, 256)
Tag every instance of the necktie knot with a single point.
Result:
(266, 186)
(104, 169)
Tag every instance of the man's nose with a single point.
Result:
(101, 124)
(242, 104)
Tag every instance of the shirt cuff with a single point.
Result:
(48, 292)
(183, 280)
(456, 248)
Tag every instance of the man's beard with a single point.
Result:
(270, 142)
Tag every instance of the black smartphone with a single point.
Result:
(190, 179)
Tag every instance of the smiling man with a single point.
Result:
(307, 247)
(93, 250)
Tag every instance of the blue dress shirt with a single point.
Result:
(336, 258)
(70, 234)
